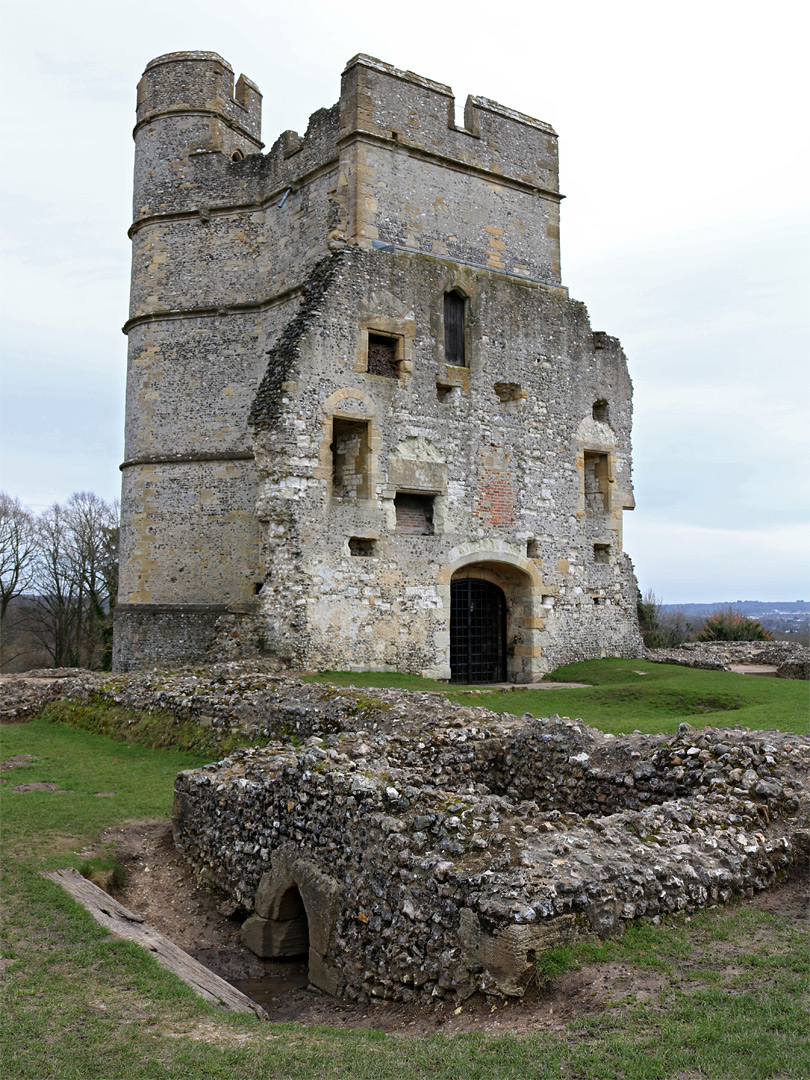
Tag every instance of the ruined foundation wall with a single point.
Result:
(439, 850)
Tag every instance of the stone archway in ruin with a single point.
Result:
(296, 908)
(498, 573)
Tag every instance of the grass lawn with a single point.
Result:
(80, 1004)
(625, 695)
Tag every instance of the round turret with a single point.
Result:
(187, 107)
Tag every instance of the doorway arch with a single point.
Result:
(477, 631)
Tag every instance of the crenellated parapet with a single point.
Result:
(199, 82)
(486, 194)
(400, 106)
(187, 106)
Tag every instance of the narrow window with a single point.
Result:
(601, 411)
(533, 549)
(350, 459)
(454, 352)
(382, 356)
(596, 483)
(414, 514)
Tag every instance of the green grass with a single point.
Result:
(80, 1004)
(732, 984)
(625, 695)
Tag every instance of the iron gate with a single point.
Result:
(477, 632)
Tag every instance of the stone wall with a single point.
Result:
(257, 281)
(421, 849)
(505, 473)
(430, 850)
(791, 661)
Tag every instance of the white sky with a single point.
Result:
(685, 230)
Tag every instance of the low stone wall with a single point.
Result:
(421, 849)
(424, 849)
(792, 661)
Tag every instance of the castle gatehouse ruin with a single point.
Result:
(416, 849)
(367, 427)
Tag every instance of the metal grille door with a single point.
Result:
(477, 632)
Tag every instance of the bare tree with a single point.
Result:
(17, 549)
(17, 556)
(661, 629)
(54, 613)
(68, 567)
(93, 527)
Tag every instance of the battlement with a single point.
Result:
(199, 82)
(397, 106)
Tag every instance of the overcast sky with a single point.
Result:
(683, 157)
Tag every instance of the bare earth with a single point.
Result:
(160, 888)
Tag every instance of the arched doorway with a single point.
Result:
(477, 631)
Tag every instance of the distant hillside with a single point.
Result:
(745, 607)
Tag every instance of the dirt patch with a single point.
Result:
(18, 761)
(159, 887)
(54, 788)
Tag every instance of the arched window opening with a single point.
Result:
(454, 351)
(237, 155)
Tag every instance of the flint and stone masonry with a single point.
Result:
(416, 849)
(367, 428)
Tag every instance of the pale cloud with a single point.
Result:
(684, 563)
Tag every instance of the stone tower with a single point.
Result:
(366, 425)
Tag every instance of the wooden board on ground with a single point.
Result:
(126, 924)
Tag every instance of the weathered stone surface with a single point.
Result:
(437, 848)
(274, 937)
(273, 472)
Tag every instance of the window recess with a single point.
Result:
(454, 319)
(414, 514)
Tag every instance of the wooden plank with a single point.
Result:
(126, 924)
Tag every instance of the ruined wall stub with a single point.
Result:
(306, 473)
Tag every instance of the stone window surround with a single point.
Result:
(367, 413)
(451, 373)
(403, 331)
(610, 501)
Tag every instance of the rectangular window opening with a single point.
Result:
(596, 483)
(364, 546)
(383, 355)
(601, 553)
(414, 514)
(350, 459)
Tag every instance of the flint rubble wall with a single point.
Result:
(792, 661)
(438, 848)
